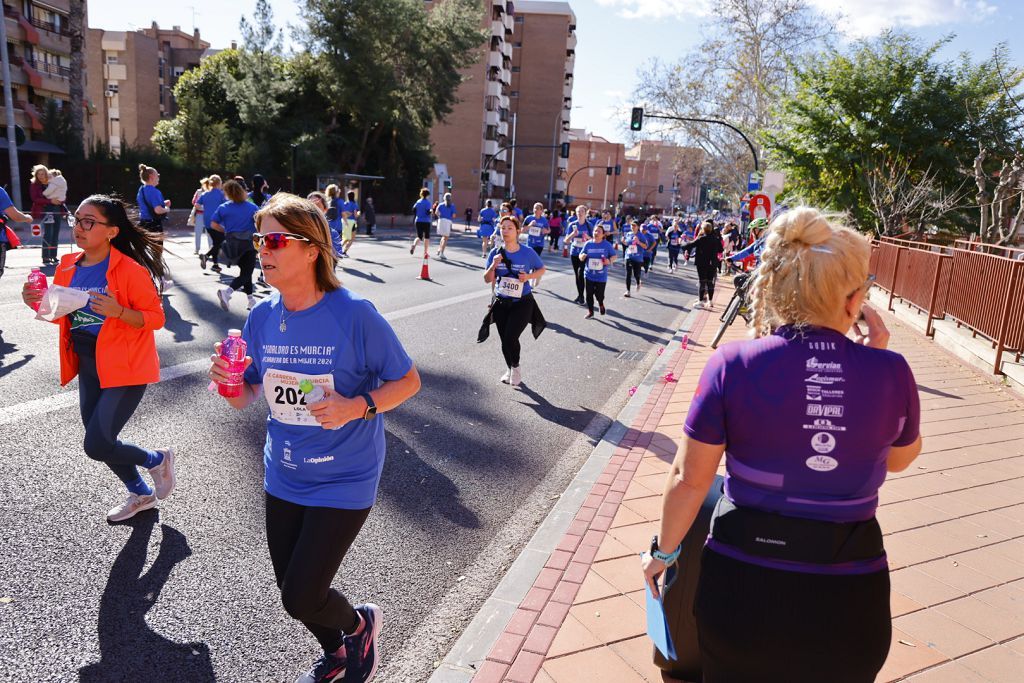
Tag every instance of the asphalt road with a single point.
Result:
(186, 593)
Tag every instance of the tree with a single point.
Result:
(736, 74)
(76, 27)
(890, 103)
(386, 71)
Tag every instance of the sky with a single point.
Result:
(617, 37)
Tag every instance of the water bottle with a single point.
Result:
(37, 282)
(233, 351)
(314, 392)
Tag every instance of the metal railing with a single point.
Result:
(50, 69)
(49, 26)
(979, 286)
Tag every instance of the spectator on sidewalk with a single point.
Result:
(370, 216)
(794, 583)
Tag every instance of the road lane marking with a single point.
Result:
(69, 398)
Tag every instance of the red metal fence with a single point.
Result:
(980, 286)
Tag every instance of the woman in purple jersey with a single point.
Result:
(794, 583)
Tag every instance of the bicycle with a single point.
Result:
(738, 305)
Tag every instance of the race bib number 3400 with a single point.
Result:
(535, 231)
(287, 402)
(510, 288)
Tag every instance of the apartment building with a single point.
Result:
(543, 57)
(678, 172)
(132, 75)
(467, 142)
(529, 58)
(39, 48)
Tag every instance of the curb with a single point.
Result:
(552, 550)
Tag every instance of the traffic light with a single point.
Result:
(661, 189)
(637, 122)
(620, 198)
(564, 152)
(608, 170)
(485, 176)
(618, 169)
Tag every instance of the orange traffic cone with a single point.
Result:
(424, 271)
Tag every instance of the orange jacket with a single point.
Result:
(125, 356)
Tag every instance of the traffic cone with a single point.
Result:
(424, 271)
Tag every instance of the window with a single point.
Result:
(111, 88)
(590, 172)
(590, 189)
(593, 155)
(111, 59)
(513, 93)
(515, 69)
(520, 19)
(517, 43)
(632, 183)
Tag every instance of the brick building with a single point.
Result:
(131, 77)
(678, 172)
(39, 50)
(480, 123)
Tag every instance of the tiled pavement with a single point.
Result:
(953, 522)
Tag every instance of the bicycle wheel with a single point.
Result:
(727, 319)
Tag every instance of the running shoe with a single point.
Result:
(132, 506)
(412, 249)
(516, 377)
(507, 376)
(251, 302)
(163, 475)
(216, 268)
(626, 294)
(224, 296)
(361, 649)
(328, 669)
(602, 308)
(203, 261)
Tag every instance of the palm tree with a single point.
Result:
(76, 25)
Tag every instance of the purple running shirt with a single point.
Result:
(808, 417)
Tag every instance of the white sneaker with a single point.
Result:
(252, 301)
(131, 507)
(224, 295)
(515, 377)
(507, 376)
(163, 475)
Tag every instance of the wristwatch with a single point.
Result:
(371, 407)
(667, 558)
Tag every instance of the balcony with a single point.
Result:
(503, 128)
(52, 70)
(498, 5)
(567, 91)
(50, 26)
(498, 28)
(35, 120)
(563, 163)
(506, 49)
(509, 23)
(570, 63)
(494, 60)
(491, 118)
(503, 102)
(31, 34)
(506, 76)
(490, 147)
(498, 179)
(493, 89)
(570, 42)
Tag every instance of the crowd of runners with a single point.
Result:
(312, 332)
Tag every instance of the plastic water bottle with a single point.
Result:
(37, 282)
(233, 351)
(314, 392)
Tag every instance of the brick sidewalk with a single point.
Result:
(953, 522)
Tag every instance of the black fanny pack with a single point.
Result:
(793, 539)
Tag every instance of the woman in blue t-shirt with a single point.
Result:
(635, 244)
(422, 210)
(234, 218)
(597, 255)
(578, 234)
(323, 458)
(510, 268)
(445, 218)
(487, 218)
(153, 209)
(210, 200)
(794, 584)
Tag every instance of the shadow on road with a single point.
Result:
(181, 328)
(129, 649)
(7, 348)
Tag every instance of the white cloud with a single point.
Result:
(858, 19)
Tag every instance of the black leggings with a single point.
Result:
(216, 239)
(759, 624)
(707, 274)
(307, 545)
(511, 318)
(105, 413)
(633, 269)
(577, 271)
(246, 264)
(673, 257)
(595, 289)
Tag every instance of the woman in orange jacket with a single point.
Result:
(109, 343)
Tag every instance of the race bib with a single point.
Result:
(594, 263)
(535, 231)
(577, 242)
(631, 250)
(510, 288)
(287, 402)
(674, 241)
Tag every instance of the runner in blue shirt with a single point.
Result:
(675, 239)
(652, 228)
(636, 243)
(323, 459)
(348, 212)
(597, 255)
(487, 218)
(537, 228)
(510, 268)
(422, 209)
(234, 218)
(610, 228)
(210, 200)
(578, 233)
(445, 219)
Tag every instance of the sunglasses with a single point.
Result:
(866, 286)
(275, 240)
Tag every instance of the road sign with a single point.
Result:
(754, 182)
(760, 206)
(36, 230)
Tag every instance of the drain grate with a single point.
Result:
(632, 356)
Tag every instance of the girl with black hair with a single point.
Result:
(109, 343)
(260, 187)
